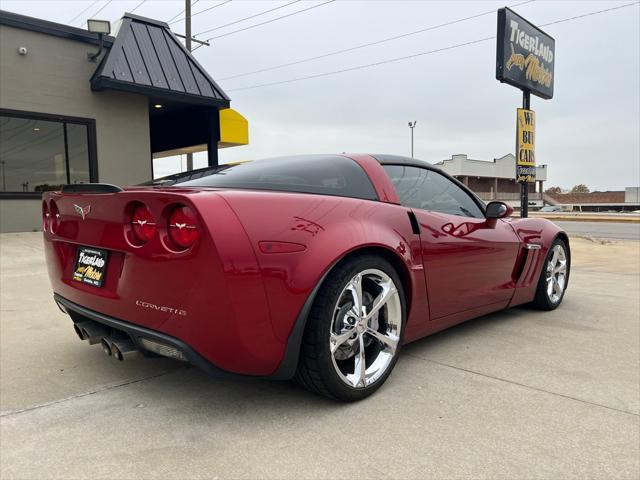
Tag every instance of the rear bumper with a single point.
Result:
(79, 313)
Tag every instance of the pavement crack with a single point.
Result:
(542, 390)
(11, 413)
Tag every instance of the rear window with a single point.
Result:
(321, 174)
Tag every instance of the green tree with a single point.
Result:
(553, 190)
(580, 188)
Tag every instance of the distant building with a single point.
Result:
(611, 200)
(495, 180)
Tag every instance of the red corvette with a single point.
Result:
(316, 267)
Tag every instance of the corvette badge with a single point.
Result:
(82, 211)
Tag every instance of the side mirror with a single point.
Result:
(497, 210)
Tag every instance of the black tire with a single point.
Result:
(542, 301)
(316, 370)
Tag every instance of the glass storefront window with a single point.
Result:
(39, 155)
(78, 153)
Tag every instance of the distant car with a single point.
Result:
(551, 208)
(314, 267)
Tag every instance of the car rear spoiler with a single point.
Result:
(91, 188)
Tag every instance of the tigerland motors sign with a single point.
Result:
(525, 58)
(526, 146)
(525, 55)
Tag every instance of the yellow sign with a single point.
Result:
(234, 129)
(526, 146)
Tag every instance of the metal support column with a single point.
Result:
(187, 39)
(212, 141)
(524, 186)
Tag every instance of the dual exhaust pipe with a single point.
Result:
(119, 347)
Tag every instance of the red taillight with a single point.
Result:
(183, 229)
(143, 224)
(54, 217)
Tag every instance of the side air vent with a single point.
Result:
(519, 268)
(415, 226)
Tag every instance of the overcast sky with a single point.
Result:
(588, 133)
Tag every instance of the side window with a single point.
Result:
(428, 190)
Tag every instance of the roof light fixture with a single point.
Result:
(99, 26)
(102, 28)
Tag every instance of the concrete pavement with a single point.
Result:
(517, 394)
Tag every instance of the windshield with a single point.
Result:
(320, 174)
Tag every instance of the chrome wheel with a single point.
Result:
(365, 328)
(556, 273)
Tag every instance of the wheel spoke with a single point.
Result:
(390, 341)
(360, 367)
(554, 257)
(338, 339)
(388, 290)
(561, 267)
(355, 288)
(557, 288)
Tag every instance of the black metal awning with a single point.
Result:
(147, 58)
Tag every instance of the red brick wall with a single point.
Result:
(592, 197)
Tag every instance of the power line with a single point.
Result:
(180, 13)
(139, 5)
(272, 20)
(357, 47)
(358, 67)
(247, 18)
(589, 14)
(78, 15)
(201, 11)
(99, 10)
(420, 54)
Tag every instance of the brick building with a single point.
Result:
(611, 200)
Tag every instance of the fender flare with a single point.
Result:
(289, 363)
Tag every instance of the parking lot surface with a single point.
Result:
(516, 394)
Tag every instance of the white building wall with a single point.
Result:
(632, 195)
(54, 78)
(503, 167)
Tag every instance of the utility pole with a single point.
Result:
(524, 186)
(187, 39)
(412, 125)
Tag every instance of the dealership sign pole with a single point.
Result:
(525, 58)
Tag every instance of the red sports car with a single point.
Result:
(316, 267)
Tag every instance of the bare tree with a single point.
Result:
(580, 188)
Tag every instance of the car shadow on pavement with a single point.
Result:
(188, 383)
